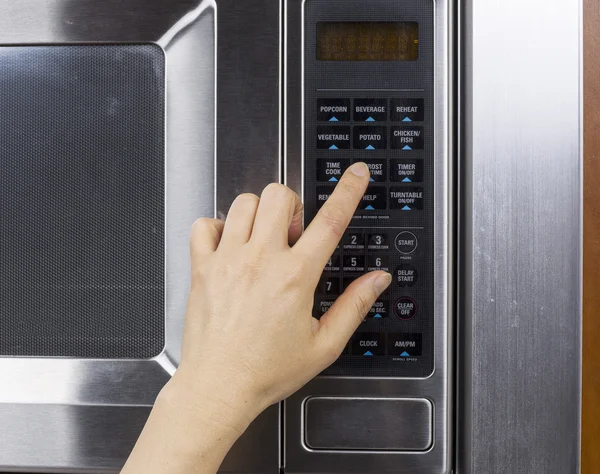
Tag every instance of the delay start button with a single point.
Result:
(406, 242)
(405, 308)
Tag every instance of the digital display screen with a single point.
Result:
(367, 41)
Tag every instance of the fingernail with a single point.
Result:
(359, 169)
(382, 282)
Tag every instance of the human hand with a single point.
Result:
(250, 339)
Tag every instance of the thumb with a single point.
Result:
(339, 323)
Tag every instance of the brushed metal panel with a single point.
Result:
(367, 424)
(437, 388)
(520, 316)
(48, 403)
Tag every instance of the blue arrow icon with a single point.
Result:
(333, 119)
(378, 316)
(407, 119)
(369, 208)
(333, 147)
(406, 180)
(368, 353)
(370, 119)
(372, 180)
(407, 148)
(406, 208)
(405, 354)
(333, 180)
(370, 147)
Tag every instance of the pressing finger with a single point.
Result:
(205, 237)
(240, 220)
(325, 231)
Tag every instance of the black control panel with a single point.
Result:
(371, 99)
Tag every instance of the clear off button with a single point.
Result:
(406, 243)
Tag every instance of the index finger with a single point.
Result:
(325, 231)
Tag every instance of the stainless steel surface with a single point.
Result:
(298, 459)
(58, 414)
(520, 317)
(401, 424)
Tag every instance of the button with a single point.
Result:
(405, 308)
(407, 138)
(333, 138)
(378, 169)
(406, 199)
(406, 275)
(333, 265)
(348, 281)
(376, 262)
(405, 345)
(374, 199)
(354, 241)
(323, 194)
(329, 286)
(354, 263)
(406, 242)
(331, 170)
(407, 110)
(370, 138)
(370, 110)
(407, 171)
(368, 344)
(378, 241)
(333, 110)
(379, 310)
(321, 307)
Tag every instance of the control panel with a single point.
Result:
(369, 96)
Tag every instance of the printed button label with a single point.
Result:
(370, 110)
(333, 138)
(407, 138)
(370, 138)
(378, 169)
(405, 345)
(333, 110)
(331, 170)
(407, 171)
(368, 344)
(407, 110)
(406, 276)
(406, 242)
(405, 308)
(406, 199)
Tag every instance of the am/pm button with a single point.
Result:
(405, 345)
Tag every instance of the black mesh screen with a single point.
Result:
(82, 201)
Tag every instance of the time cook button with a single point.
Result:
(368, 344)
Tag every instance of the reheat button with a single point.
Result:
(407, 110)
(368, 344)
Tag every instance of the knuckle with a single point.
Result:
(278, 190)
(333, 217)
(201, 225)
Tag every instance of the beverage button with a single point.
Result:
(405, 308)
(329, 286)
(406, 242)
(368, 344)
(405, 345)
(370, 110)
(333, 138)
(376, 262)
(354, 263)
(374, 199)
(406, 199)
(323, 194)
(333, 110)
(407, 171)
(379, 310)
(331, 169)
(407, 110)
(407, 138)
(354, 241)
(406, 275)
(378, 170)
(370, 138)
